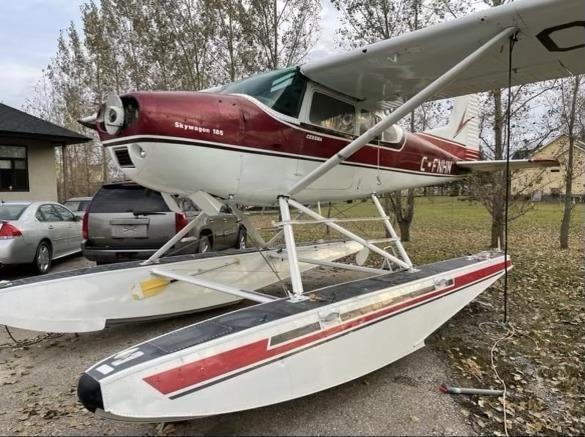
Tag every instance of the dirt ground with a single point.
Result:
(38, 390)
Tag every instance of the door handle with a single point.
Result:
(51, 227)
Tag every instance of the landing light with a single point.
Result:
(139, 151)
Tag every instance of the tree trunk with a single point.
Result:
(403, 216)
(87, 175)
(104, 165)
(497, 239)
(65, 171)
(404, 231)
(566, 222)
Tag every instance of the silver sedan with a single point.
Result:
(37, 233)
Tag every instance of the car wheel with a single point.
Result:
(42, 261)
(204, 244)
(241, 243)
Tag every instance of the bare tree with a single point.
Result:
(570, 121)
(283, 31)
(365, 22)
(126, 45)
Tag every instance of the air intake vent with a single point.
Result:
(123, 157)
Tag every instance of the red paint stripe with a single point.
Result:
(202, 370)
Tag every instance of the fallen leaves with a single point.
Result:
(543, 364)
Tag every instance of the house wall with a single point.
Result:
(42, 175)
(547, 182)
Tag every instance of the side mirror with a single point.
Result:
(77, 218)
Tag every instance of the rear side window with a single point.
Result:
(11, 212)
(331, 113)
(47, 213)
(127, 198)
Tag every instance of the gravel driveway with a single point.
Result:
(38, 386)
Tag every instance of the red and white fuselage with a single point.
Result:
(234, 145)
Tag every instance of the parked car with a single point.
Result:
(78, 205)
(127, 221)
(37, 233)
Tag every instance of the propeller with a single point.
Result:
(114, 114)
(90, 121)
(111, 114)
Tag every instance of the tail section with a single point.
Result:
(463, 126)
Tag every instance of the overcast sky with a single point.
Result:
(28, 40)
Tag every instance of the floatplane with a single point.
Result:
(323, 131)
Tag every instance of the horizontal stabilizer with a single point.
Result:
(515, 164)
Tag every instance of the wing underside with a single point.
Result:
(551, 44)
(515, 164)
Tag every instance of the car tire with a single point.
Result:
(204, 244)
(241, 241)
(43, 258)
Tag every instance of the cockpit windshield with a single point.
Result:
(281, 90)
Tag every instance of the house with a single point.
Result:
(539, 183)
(27, 155)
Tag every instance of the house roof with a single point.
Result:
(531, 149)
(15, 123)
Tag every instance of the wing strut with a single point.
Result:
(400, 112)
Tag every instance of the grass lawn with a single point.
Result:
(542, 363)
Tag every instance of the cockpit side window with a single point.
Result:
(331, 113)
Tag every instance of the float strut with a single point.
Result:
(291, 249)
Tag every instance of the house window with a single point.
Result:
(13, 168)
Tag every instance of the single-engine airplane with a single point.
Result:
(322, 131)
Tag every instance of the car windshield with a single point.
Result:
(128, 198)
(11, 211)
(281, 90)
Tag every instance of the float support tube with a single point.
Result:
(155, 256)
(200, 282)
(391, 230)
(400, 112)
(348, 234)
(291, 249)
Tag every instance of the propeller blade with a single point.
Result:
(90, 121)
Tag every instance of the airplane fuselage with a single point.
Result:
(234, 145)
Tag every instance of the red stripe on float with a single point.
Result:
(205, 369)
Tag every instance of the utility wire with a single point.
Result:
(513, 39)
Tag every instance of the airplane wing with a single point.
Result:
(551, 44)
(497, 165)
